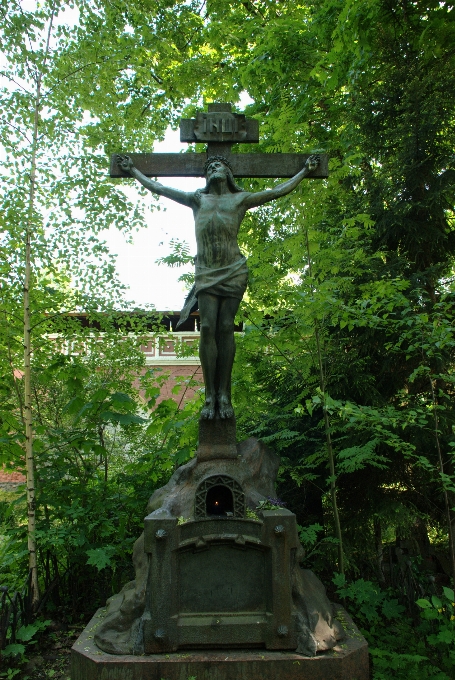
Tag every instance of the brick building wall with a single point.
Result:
(162, 355)
(9, 481)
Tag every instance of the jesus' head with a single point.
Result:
(216, 166)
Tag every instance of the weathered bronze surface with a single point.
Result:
(221, 271)
(218, 209)
(219, 125)
(217, 439)
(219, 141)
(221, 590)
(215, 570)
(194, 566)
(219, 496)
(348, 661)
(266, 165)
(220, 582)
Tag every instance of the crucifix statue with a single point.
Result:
(218, 209)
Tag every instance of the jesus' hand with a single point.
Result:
(125, 163)
(312, 162)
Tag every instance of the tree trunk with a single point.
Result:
(29, 460)
(447, 505)
(28, 416)
(378, 548)
(328, 436)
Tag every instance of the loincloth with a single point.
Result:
(229, 281)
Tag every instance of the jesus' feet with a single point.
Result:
(208, 410)
(225, 409)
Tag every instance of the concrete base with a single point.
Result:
(348, 661)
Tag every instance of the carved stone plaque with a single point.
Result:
(220, 126)
(223, 578)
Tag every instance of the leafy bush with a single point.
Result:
(100, 453)
(438, 625)
(401, 650)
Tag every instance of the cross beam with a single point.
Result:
(220, 129)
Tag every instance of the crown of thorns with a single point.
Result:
(222, 159)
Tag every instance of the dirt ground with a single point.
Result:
(48, 658)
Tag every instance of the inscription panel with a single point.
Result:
(223, 126)
(220, 127)
(222, 578)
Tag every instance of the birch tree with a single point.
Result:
(55, 204)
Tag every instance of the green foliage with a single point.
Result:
(372, 604)
(308, 535)
(181, 520)
(179, 256)
(15, 649)
(10, 673)
(317, 550)
(389, 631)
(439, 627)
(25, 635)
(100, 452)
(100, 557)
(357, 268)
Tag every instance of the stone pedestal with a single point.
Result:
(219, 592)
(217, 439)
(219, 583)
(347, 661)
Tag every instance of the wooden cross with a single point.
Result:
(220, 128)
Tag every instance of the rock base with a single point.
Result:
(347, 661)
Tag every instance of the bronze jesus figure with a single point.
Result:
(221, 270)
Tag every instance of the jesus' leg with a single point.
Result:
(208, 309)
(226, 352)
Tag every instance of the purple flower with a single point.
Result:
(276, 501)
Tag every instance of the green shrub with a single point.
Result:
(401, 649)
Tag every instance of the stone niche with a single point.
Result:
(220, 580)
(212, 572)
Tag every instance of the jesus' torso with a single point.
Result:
(217, 220)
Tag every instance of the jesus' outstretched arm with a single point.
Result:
(261, 197)
(126, 164)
